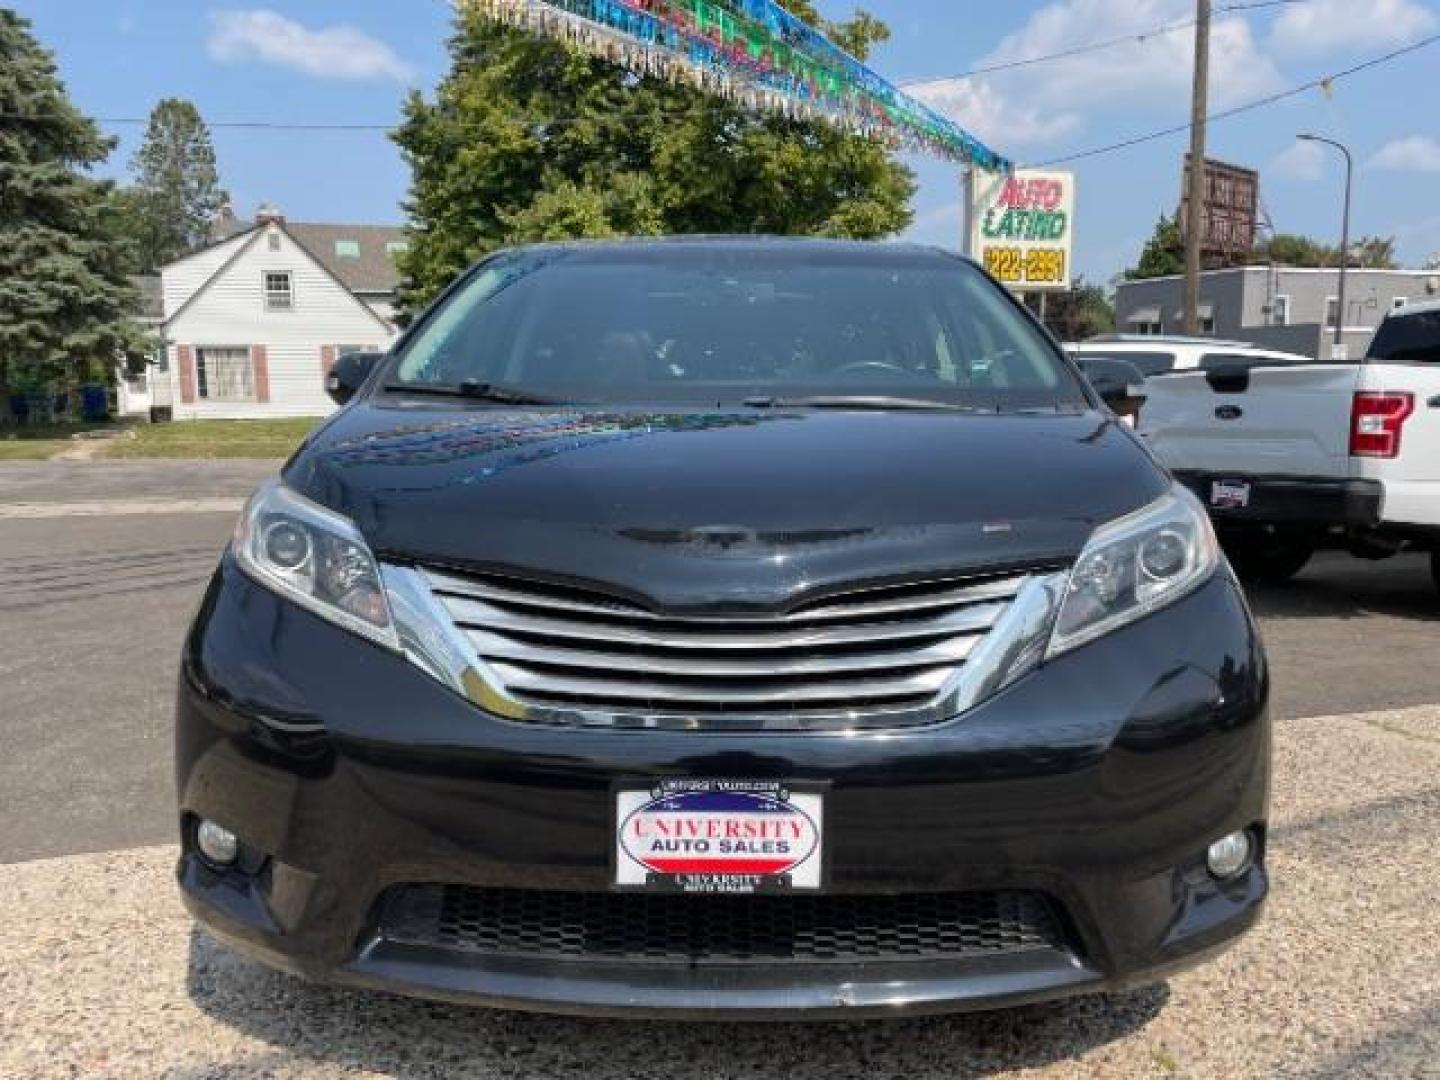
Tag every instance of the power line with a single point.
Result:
(1098, 46)
(1237, 110)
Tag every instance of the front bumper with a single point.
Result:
(1096, 783)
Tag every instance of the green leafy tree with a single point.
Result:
(1163, 254)
(530, 140)
(65, 300)
(1080, 313)
(176, 195)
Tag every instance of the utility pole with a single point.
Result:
(1195, 218)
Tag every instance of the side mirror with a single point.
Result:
(349, 373)
(1120, 384)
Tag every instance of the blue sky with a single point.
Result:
(322, 61)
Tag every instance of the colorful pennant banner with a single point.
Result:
(752, 52)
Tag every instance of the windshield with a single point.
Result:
(727, 324)
(1408, 339)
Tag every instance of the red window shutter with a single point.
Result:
(260, 363)
(185, 357)
(327, 358)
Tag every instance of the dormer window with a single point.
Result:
(279, 294)
(273, 240)
(347, 249)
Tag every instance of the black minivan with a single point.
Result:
(724, 627)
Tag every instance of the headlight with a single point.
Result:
(316, 558)
(1135, 565)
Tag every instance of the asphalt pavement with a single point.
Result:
(93, 608)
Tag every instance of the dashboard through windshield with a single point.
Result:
(714, 324)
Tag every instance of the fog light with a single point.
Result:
(1230, 855)
(219, 845)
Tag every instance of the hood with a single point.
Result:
(689, 509)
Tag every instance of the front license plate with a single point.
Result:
(1230, 494)
(719, 836)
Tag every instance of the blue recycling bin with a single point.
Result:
(94, 402)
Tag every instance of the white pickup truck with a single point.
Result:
(1291, 457)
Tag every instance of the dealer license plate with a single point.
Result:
(719, 836)
(1230, 494)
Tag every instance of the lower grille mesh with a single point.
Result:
(700, 930)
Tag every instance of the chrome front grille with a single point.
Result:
(893, 655)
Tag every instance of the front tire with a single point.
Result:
(1269, 558)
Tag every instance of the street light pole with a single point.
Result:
(1195, 197)
(1344, 236)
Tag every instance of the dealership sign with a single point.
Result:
(1024, 226)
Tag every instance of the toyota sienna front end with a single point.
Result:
(725, 628)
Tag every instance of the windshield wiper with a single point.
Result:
(476, 390)
(877, 403)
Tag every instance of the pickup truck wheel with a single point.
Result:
(1269, 560)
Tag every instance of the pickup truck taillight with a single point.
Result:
(1377, 422)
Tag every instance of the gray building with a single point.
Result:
(1276, 307)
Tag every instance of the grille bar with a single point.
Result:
(700, 931)
(474, 613)
(712, 693)
(944, 653)
(852, 605)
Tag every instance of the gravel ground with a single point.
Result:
(101, 974)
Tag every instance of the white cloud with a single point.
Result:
(1418, 153)
(997, 118)
(1045, 103)
(332, 52)
(1321, 26)
(1300, 161)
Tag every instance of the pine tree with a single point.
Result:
(65, 300)
(177, 195)
(529, 140)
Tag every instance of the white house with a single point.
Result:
(253, 322)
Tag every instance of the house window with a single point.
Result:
(1146, 327)
(224, 374)
(274, 241)
(278, 293)
(1398, 302)
(347, 249)
(1207, 325)
(1280, 311)
(1332, 312)
(397, 247)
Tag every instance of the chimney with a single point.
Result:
(268, 215)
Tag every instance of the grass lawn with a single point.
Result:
(213, 439)
(30, 449)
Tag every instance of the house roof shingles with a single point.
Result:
(372, 271)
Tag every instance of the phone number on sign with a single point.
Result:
(1017, 266)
